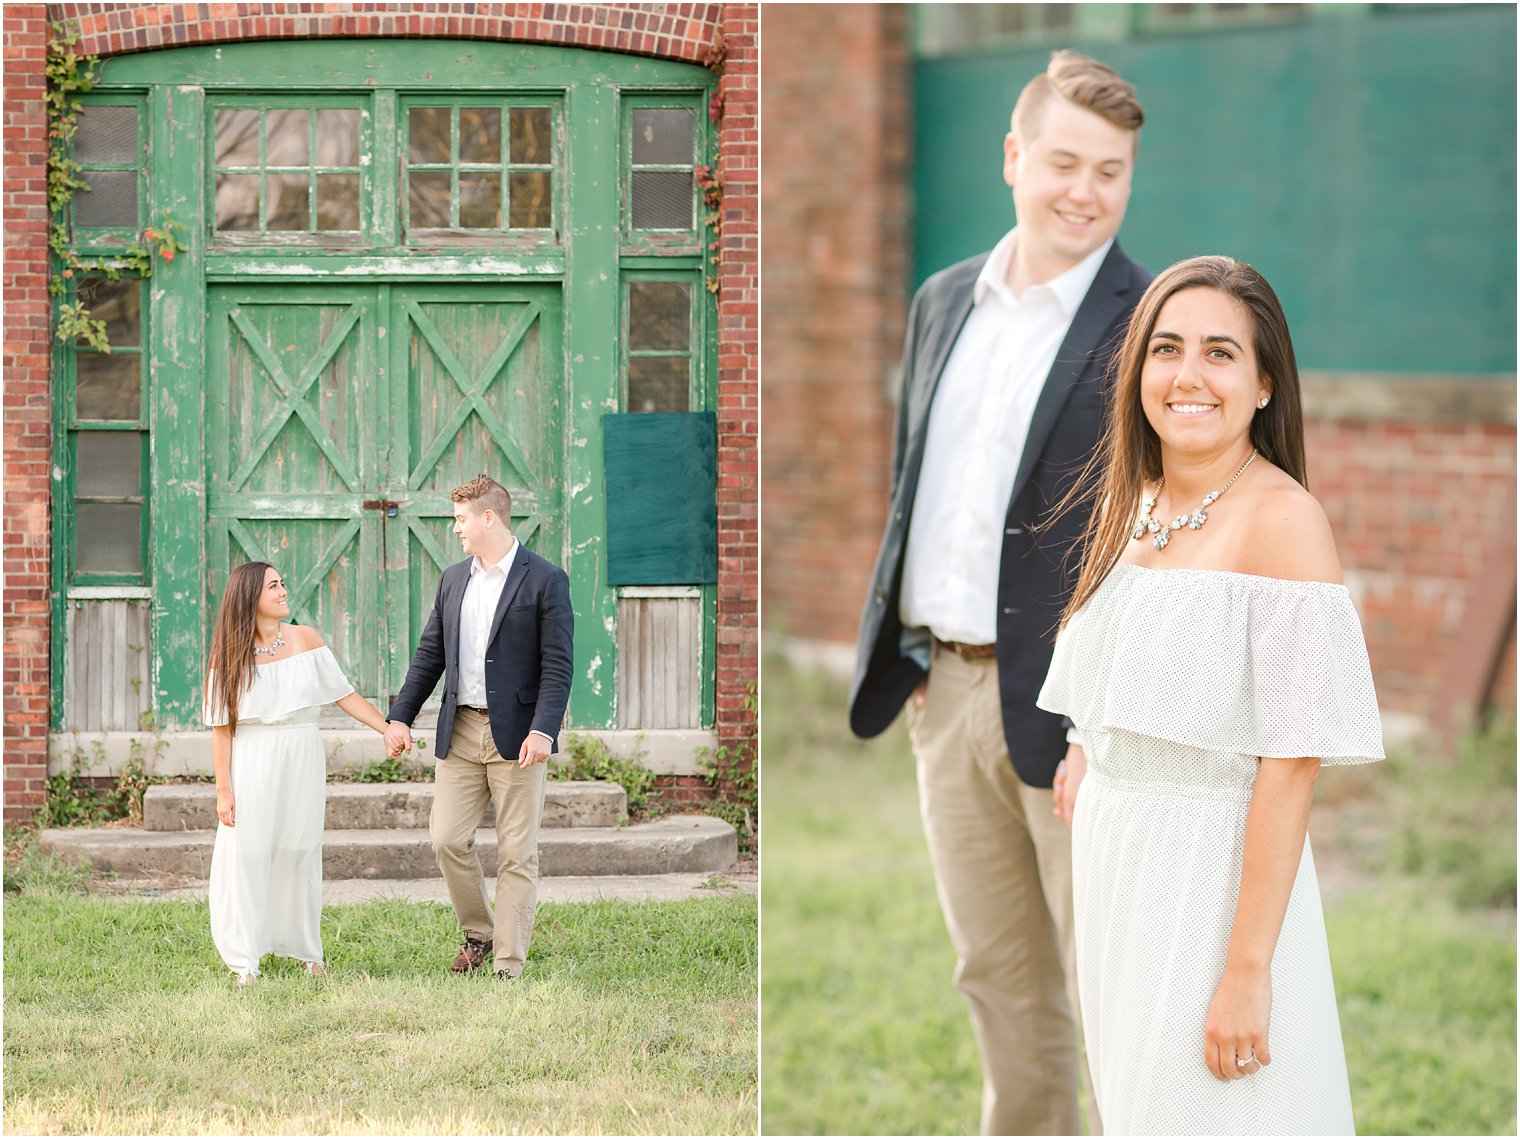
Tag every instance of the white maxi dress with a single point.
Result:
(266, 872)
(1182, 682)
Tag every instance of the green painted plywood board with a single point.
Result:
(662, 493)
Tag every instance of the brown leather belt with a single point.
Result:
(969, 652)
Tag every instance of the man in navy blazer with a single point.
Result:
(1002, 402)
(500, 635)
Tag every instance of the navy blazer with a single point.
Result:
(528, 655)
(1037, 571)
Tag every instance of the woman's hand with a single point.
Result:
(224, 807)
(1236, 1028)
(1068, 779)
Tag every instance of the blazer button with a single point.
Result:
(1011, 611)
(881, 597)
(1014, 530)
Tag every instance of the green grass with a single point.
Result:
(863, 1033)
(631, 1019)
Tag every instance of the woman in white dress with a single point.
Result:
(1210, 671)
(265, 686)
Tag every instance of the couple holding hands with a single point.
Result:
(500, 636)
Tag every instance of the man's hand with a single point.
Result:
(1068, 778)
(535, 749)
(398, 738)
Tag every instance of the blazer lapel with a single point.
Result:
(1079, 352)
(515, 578)
(947, 331)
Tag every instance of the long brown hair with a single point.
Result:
(236, 633)
(1129, 454)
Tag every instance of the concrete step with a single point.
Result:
(386, 806)
(679, 843)
(563, 888)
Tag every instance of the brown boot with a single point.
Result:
(472, 956)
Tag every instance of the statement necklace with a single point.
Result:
(1194, 521)
(279, 643)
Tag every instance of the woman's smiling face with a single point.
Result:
(1199, 385)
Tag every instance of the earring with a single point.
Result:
(1263, 401)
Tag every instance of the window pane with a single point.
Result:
(337, 201)
(429, 201)
(106, 134)
(480, 201)
(289, 197)
(662, 137)
(662, 200)
(108, 464)
(658, 383)
(337, 138)
(106, 387)
(479, 134)
(116, 303)
(108, 538)
(532, 192)
(110, 202)
(530, 135)
(237, 137)
(287, 141)
(427, 135)
(659, 315)
(237, 201)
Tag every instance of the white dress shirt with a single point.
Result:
(977, 426)
(475, 615)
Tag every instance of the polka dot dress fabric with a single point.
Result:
(1179, 679)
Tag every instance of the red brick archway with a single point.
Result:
(672, 31)
(684, 32)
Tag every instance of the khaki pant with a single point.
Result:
(1002, 863)
(472, 772)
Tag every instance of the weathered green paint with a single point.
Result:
(1364, 163)
(593, 300)
(432, 65)
(176, 303)
(428, 320)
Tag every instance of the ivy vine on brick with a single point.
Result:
(714, 58)
(70, 75)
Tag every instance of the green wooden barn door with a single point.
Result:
(480, 390)
(293, 418)
(330, 406)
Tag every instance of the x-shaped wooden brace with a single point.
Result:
(294, 398)
(473, 392)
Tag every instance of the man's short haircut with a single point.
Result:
(1084, 83)
(486, 494)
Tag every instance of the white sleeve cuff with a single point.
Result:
(1074, 736)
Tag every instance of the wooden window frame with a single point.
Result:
(661, 241)
(115, 239)
(310, 102)
(70, 430)
(504, 236)
(695, 351)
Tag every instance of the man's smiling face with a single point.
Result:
(1071, 184)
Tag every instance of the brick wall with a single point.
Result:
(674, 31)
(28, 408)
(738, 632)
(684, 32)
(835, 203)
(1416, 507)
